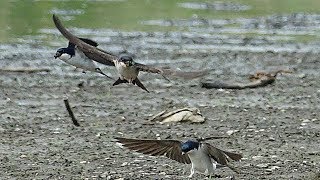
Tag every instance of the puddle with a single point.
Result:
(215, 6)
(64, 12)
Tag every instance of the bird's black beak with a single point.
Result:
(57, 55)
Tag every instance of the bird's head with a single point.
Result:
(64, 53)
(126, 59)
(189, 146)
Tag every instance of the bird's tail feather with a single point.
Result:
(119, 81)
(138, 83)
(233, 156)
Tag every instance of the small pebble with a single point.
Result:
(271, 139)
(305, 121)
(230, 132)
(256, 157)
(263, 165)
(272, 168)
(124, 164)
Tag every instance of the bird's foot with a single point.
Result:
(192, 173)
(213, 176)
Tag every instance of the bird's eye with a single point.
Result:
(125, 58)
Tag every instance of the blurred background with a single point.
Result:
(23, 20)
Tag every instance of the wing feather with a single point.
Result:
(147, 68)
(150, 69)
(220, 156)
(168, 148)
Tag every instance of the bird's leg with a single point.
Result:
(192, 172)
(208, 175)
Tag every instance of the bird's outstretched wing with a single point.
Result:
(220, 156)
(168, 148)
(185, 74)
(147, 68)
(90, 51)
(150, 69)
(89, 41)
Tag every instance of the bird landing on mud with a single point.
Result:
(203, 157)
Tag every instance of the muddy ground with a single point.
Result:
(276, 127)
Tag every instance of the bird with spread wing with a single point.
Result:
(127, 68)
(202, 156)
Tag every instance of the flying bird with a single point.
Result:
(204, 158)
(73, 56)
(128, 69)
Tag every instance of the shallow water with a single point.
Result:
(25, 18)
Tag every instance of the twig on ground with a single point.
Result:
(74, 120)
(24, 70)
(259, 79)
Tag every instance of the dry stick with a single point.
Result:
(74, 120)
(24, 70)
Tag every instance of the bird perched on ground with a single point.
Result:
(128, 69)
(204, 158)
(74, 56)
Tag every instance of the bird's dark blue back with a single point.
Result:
(189, 145)
(68, 50)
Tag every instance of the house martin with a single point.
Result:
(74, 56)
(203, 157)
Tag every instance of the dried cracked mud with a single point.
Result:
(276, 127)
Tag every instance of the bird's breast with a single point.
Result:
(128, 73)
(81, 62)
(201, 161)
(65, 57)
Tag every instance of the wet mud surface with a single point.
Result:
(276, 127)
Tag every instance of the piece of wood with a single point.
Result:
(259, 79)
(235, 85)
(73, 118)
(24, 70)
